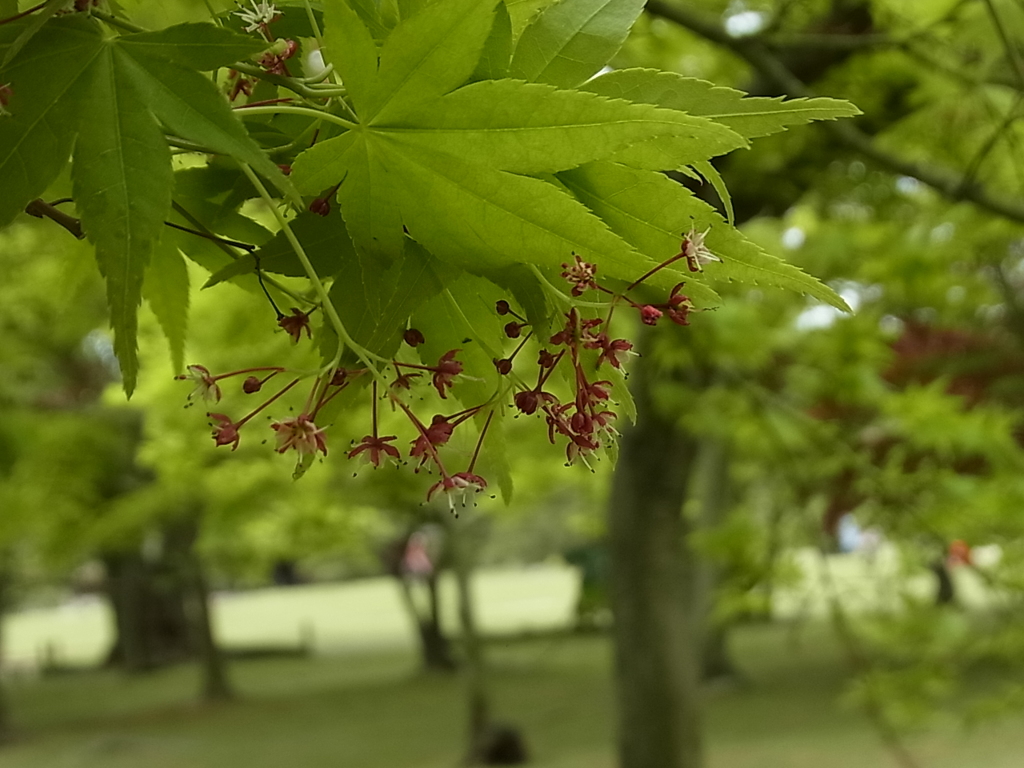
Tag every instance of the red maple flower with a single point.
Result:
(301, 433)
(580, 275)
(225, 431)
(206, 383)
(445, 371)
(438, 433)
(461, 482)
(375, 449)
(295, 324)
(679, 306)
(650, 314)
(613, 351)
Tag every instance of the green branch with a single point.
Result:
(286, 109)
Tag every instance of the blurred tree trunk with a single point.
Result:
(5, 712)
(435, 649)
(656, 653)
(143, 638)
(181, 539)
(479, 706)
(161, 608)
(713, 476)
(490, 742)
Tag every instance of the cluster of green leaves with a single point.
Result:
(471, 147)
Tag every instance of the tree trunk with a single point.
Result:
(490, 742)
(479, 707)
(714, 494)
(181, 538)
(127, 589)
(215, 685)
(945, 590)
(655, 652)
(435, 650)
(5, 712)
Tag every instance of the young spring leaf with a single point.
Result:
(413, 160)
(652, 212)
(571, 40)
(748, 116)
(193, 46)
(122, 186)
(166, 290)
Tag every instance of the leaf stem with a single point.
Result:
(113, 21)
(287, 109)
(293, 84)
(189, 146)
(220, 243)
(208, 236)
(316, 27)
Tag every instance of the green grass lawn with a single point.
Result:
(374, 710)
(361, 703)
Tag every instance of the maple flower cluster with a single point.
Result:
(585, 420)
(576, 406)
(257, 18)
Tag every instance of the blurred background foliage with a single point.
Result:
(863, 472)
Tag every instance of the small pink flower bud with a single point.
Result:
(649, 315)
(413, 337)
(513, 330)
(251, 384)
(504, 366)
(321, 206)
(502, 307)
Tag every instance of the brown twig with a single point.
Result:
(43, 210)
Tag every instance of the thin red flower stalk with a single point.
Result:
(265, 102)
(480, 442)
(502, 307)
(265, 379)
(259, 408)
(507, 361)
(21, 15)
(653, 270)
(373, 408)
(229, 374)
(339, 386)
(447, 368)
(545, 373)
(461, 416)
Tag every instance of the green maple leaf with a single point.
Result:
(464, 169)
(109, 110)
(571, 40)
(653, 212)
(166, 290)
(749, 116)
(376, 307)
(324, 239)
